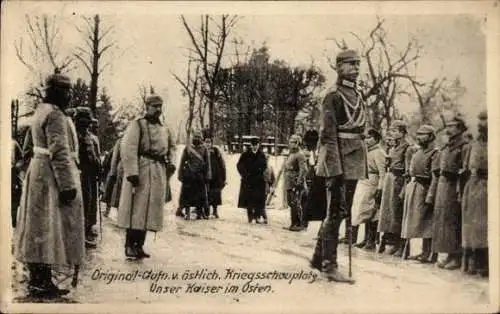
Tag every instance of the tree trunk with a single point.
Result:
(95, 66)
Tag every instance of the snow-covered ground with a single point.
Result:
(384, 283)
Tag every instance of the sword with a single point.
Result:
(74, 281)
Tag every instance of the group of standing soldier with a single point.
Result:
(406, 192)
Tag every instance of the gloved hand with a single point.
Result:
(66, 196)
(378, 196)
(429, 209)
(134, 180)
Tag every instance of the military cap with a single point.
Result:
(483, 115)
(426, 129)
(457, 119)
(296, 138)
(197, 134)
(206, 134)
(400, 124)
(154, 99)
(347, 55)
(58, 79)
(373, 132)
(82, 116)
(255, 140)
(70, 112)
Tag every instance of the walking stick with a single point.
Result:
(348, 223)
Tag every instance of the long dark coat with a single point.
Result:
(446, 229)
(194, 173)
(391, 205)
(251, 168)
(475, 199)
(47, 231)
(218, 180)
(89, 170)
(417, 222)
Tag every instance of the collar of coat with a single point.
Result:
(456, 142)
(374, 146)
(347, 83)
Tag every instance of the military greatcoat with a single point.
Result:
(391, 206)
(446, 230)
(475, 198)
(142, 207)
(47, 231)
(417, 221)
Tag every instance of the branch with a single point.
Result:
(104, 49)
(84, 62)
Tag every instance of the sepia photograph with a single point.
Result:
(249, 157)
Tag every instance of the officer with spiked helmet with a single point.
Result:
(341, 159)
(146, 148)
(50, 228)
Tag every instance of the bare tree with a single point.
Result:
(40, 52)
(190, 89)
(209, 42)
(91, 54)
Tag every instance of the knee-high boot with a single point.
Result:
(372, 233)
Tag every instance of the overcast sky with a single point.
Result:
(151, 43)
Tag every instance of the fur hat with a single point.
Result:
(154, 99)
(58, 80)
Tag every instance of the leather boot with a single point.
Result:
(482, 262)
(355, 230)
(317, 257)
(130, 250)
(397, 250)
(381, 247)
(467, 253)
(331, 272)
(426, 251)
(472, 263)
(216, 215)
(44, 287)
(443, 263)
(178, 212)
(372, 233)
(250, 215)
(454, 262)
(139, 244)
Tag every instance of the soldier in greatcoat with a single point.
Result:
(341, 159)
(114, 180)
(146, 148)
(475, 204)
(446, 230)
(420, 193)
(218, 175)
(15, 179)
(50, 228)
(295, 169)
(89, 171)
(195, 174)
(251, 167)
(369, 192)
(391, 207)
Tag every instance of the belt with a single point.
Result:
(421, 179)
(482, 173)
(397, 171)
(346, 135)
(372, 172)
(155, 157)
(450, 175)
(42, 151)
